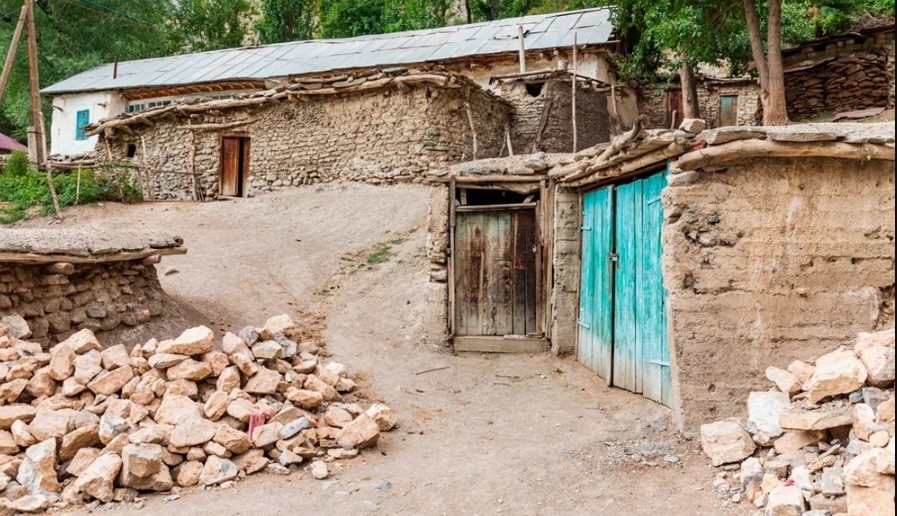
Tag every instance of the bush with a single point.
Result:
(17, 164)
(22, 195)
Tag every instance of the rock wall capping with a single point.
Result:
(770, 261)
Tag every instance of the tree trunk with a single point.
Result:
(690, 106)
(776, 112)
(757, 50)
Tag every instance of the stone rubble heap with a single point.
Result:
(81, 423)
(821, 442)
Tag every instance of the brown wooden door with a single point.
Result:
(495, 273)
(673, 102)
(231, 166)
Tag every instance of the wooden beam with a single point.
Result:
(64, 268)
(13, 48)
(509, 344)
(747, 149)
(521, 56)
(33, 258)
(491, 178)
(496, 207)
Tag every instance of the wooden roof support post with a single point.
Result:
(522, 49)
(13, 48)
(573, 100)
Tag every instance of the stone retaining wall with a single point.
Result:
(96, 296)
(381, 137)
(770, 261)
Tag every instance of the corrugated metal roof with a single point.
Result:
(8, 144)
(543, 31)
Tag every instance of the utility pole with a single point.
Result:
(13, 48)
(36, 116)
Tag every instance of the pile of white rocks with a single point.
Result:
(821, 442)
(79, 423)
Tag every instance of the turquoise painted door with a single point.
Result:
(595, 344)
(622, 325)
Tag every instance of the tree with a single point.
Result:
(74, 36)
(200, 25)
(768, 60)
(286, 20)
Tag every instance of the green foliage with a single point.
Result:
(17, 164)
(286, 20)
(200, 25)
(29, 193)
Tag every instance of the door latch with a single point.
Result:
(614, 257)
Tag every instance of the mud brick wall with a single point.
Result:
(770, 261)
(750, 112)
(554, 102)
(381, 137)
(96, 296)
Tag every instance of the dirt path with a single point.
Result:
(482, 434)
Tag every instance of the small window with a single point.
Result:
(534, 88)
(82, 118)
(132, 150)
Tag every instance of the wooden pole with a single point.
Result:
(37, 117)
(78, 186)
(13, 48)
(522, 49)
(573, 101)
(34, 80)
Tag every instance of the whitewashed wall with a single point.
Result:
(65, 111)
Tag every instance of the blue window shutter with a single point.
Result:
(81, 119)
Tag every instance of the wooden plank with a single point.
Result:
(245, 160)
(512, 344)
(503, 312)
(230, 163)
(497, 207)
(451, 260)
(728, 110)
(519, 300)
(528, 228)
(35, 258)
(624, 359)
(595, 336)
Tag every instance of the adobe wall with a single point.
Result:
(99, 296)
(554, 104)
(380, 137)
(770, 261)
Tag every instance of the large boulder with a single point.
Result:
(37, 473)
(99, 478)
(217, 470)
(726, 442)
(764, 411)
(838, 372)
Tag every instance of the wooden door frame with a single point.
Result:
(497, 344)
(243, 170)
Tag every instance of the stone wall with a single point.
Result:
(436, 322)
(552, 99)
(770, 261)
(750, 112)
(381, 137)
(842, 74)
(98, 296)
(565, 285)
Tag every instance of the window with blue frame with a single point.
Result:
(81, 119)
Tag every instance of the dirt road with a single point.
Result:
(483, 434)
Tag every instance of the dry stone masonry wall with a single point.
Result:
(771, 261)
(95, 296)
(381, 137)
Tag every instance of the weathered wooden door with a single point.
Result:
(595, 345)
(728, 110)
(495, 273)
(234, 164)
(623, 330)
